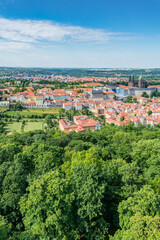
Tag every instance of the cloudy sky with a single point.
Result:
(74, 33)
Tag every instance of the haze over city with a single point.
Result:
(75, 34)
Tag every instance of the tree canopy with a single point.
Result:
(91, 186)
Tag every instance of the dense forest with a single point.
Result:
(89, 186)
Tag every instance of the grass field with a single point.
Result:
(41, 110)
(2, 109)
(16, 126)
(32, 111)
(29, 126)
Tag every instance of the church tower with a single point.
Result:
(140, 82)
(131, 81)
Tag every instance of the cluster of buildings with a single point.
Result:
(46, 97)
(143, 112)
(135, 88)
(81, 123)
(104, 102)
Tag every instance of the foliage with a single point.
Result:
(122, 119)
(142, 228)
(149, 112)
(144, 94)
(145, 202)
(16, 107)
(4, 228)
(155, 94)
(91, 185)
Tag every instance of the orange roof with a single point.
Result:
(80, 129)
(87, 122)
(93, 84)
(125, 87)
(78, 104)
(59, 101)
(31, 93)
(68, 103)
(5, 95)
(109, 92)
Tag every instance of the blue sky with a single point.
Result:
(80, 33)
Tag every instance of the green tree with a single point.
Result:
(134, 100)
(142, 228)
(145, 201)
(122, 119)
(89, 194)
(14, 183)
(144, 94)
(149, 112)
(5, 228)
(47, 210)
(48, 120)
(131, 178)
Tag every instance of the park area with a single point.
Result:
(29, 126)
(30, 111)
(28, 119)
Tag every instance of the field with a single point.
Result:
(2, 109)
(40, 110)
(16, 126)
(29, 126)
(31, 111)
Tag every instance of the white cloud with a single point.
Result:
(31, 32)
(14, 46)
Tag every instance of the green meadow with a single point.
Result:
(29, 126)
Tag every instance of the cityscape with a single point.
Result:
(117, 100)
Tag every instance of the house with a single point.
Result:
(93, 84)
(48, 96)
(17, 82)
(97, 94)
(78, 106)
(47, 103)
(61, 96)
(67, 106)
(59, 103)
(142, 100)
(149, 120)
(76, 118)
(82, 124)
(5, 97)
(44, 90)
(87, 123)
(109, 94)
(136, 121)
(66, 127)
(119, 123)
(39, 100)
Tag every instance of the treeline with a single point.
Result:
(90, 186)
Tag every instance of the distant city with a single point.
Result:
(118, 96)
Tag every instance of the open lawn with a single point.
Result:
(29, 126)
(2, 109)
(33, 111)
(41, 110)
(16, 126)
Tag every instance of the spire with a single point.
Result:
(140, 82)
(140, 77)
